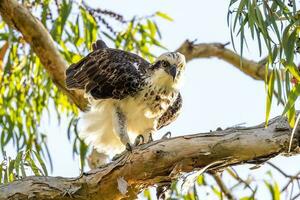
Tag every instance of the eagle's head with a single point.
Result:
(168, 69)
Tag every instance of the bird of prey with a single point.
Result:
(128, 96)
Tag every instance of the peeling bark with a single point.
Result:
(162, 161)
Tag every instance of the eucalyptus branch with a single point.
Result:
(162, 161)
(253, 69)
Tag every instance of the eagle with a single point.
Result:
(128, 96)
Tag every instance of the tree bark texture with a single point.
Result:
(162, 161)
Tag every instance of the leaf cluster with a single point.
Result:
(274, 25)
(24, 163)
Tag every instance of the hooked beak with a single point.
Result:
(173, 71)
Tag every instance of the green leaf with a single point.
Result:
(287, 83)
(23, 169)
(292, 97)
(201, 180)
(279, 86)
(147, 194)
(274, 54)
(274, 190)
(45, 10)
(82, 154)
(18, 162)
(291, 115)
(90, 27)
(217, 191)
(65, 11)
(251, 18)
(32, 165)
(108, 36)
(275, 27)
(270, 92)
(239, 12)
(11, 168)
(258, 40)
(284, 9)
(289, 47)
(152, 28)
(157, 30)
(293, 70)
(164, 16)
(232, 37)
(42, 163)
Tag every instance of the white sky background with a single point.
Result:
(215, 94)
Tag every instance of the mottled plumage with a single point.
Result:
(128, 95)
(108, 73)
(171, 114)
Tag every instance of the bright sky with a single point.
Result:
(215, 94)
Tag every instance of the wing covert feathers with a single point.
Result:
(108, 73)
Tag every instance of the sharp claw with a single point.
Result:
(166, 135)
(150, 138)
(219, 129)
(128, 147)
(139, 140)
(116, 157)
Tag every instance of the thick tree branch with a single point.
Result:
(38, 37)
(162, 161)
(192, 51)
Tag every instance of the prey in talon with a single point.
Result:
(128, 96)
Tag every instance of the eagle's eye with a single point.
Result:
(164, 63)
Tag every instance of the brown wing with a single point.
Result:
(171, 114)
(108, 73)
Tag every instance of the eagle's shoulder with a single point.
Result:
(108, 73)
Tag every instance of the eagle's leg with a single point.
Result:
(121, 127)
